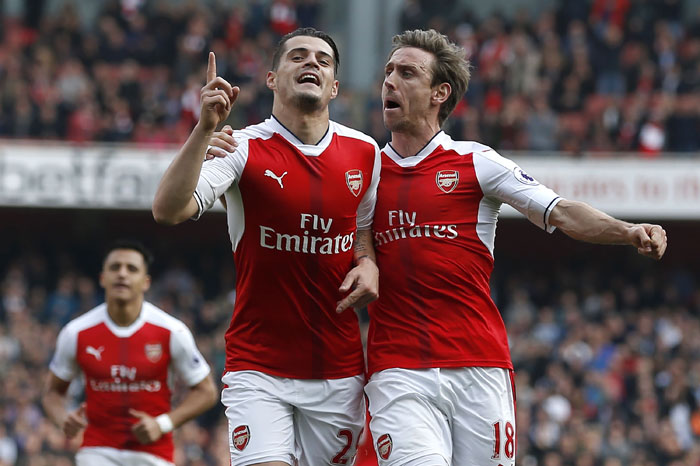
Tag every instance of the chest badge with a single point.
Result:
(447, 180)
(353, 178)
(154, 351)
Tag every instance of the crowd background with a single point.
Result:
(604, 342)
(586, 76)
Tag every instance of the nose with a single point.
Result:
(312, 61)
(389, 82)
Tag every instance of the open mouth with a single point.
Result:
(391, 104)
(309, 78)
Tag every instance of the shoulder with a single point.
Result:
(91, 318)
(346, 131)
(482, 154)
(158, 317)
(261, 130)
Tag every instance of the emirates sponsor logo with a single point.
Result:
(353, 178)
(447, 180)
(241, 437)
(314, 237)
(384, 446)
(154, 351)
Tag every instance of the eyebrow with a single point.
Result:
(305, 50)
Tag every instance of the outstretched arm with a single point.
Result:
(173, 202)
(363, 279)
(198, 399)
(585, 223)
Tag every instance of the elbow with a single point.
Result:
(162, 216)
(212, 393)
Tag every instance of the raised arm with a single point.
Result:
(585, 223)
(174, 201)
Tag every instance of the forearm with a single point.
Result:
(198, 399)
(585, 223)
(364, 246)
(173, 202)
(55, 407)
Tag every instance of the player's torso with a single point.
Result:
(434, 308)
(300, 229)
(122, 374)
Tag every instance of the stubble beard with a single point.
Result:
(308, 103)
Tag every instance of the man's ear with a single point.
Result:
(441, 92)
(270, 80)
(334, 89)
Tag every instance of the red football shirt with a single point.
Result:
(293, 212)
(127, 368)
(434, 230)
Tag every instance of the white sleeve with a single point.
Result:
(186, 358)
(503, 179)
(64, 363)
(365, 211)
(217, 175)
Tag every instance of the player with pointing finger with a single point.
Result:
(300, 193)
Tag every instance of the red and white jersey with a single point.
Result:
(293, 212)
(127, 368)
(434, 231)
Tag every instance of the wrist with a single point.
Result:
(165, 423)
(363, 258)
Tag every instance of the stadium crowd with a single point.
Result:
(607, 359)
(586, 76)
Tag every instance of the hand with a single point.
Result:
(364, 280)
(217, 96)
(146, 429)
(221, 143)
(74, 422)
(650, 240)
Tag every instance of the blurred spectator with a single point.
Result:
(136, 74)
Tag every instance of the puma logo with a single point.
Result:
(278, 178)
(95, 352)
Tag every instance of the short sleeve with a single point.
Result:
(217, 175)
(504, 180)
(365, 211)
(187, 361)
(64, 363)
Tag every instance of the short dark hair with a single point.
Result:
(132, 245)
(450, 66)
(311, 32)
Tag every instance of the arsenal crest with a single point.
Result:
(154, 351)
(384, 445)
(353, 178)
(241, 437)
(447, 180)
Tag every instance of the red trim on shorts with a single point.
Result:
(515, 411)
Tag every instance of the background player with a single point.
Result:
(126, 350)
(441, 390)
(300, 192)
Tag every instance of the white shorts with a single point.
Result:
(454, 417)
(106, 456)
(279, 419)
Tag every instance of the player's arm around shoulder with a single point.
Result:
(583, 222)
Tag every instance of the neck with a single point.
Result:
(309, 127)
(124, 313)
(410, 142)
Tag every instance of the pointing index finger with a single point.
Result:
(211, 67)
